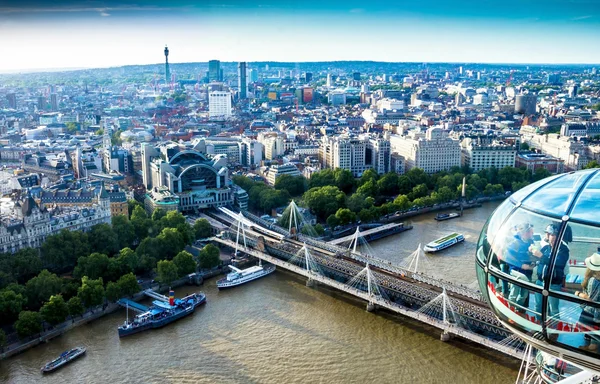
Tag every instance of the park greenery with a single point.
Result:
(337, 198)
(75, 270)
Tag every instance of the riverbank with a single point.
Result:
(98, 312)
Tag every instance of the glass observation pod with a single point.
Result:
(538, 265)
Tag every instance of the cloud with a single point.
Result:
(103, 11)
(582, 17)
(357, 10)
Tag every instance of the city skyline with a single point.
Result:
(111, 34)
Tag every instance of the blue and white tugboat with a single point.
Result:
(240, 276)
(162, 313)
(64, 358)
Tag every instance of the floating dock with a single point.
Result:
(126, 303)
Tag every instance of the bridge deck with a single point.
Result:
(126, 303)
(380, 301)
(371, 231)
(155, 295)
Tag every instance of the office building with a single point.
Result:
(54, 102)
(432, 151)
(11, 100)
(308, 77)
(215, 73)
(344, 152)
(275, 171)
(378, 154)
(479, 153)
(304, 95)
(253, 75)
(553, 79)
(242, 81)
(525, 104)
(219, 105)
(356, 76)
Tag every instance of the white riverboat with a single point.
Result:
(444, 242)
(240, 276)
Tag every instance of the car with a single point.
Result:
(140, 281)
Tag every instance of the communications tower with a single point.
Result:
(167, 72)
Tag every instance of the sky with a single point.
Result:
(92, 34)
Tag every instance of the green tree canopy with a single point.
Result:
(325, 201)
(22, 265)
(170, 243)
(103, 239)
(344, 180)
(294, 185)
(55, 310)
(40, 288)
(167, 271)
(60, 252)
(91, 291)
(202, 229)
(113, 291)
(184, 261)
(345, 216)
(2, 339)
(11, 304)
(124, 230)
(321, 179)
(209, 257)
(388, 184)
(128, 284)
(93, 266)
(29, 324)
(592, 164)
(75, 306)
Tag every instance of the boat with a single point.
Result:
(444, 242)
(446, 216)
(64, 358)
(240, 276)
(162, 313)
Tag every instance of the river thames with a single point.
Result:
(277, 330)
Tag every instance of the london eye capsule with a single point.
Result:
(538, 265)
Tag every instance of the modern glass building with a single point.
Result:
(538, 265)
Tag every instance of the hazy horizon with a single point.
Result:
(103, 34)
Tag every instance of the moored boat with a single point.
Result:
(446, 216)
(162, 313)
(444, 242)
(240, 276)
(64, 358)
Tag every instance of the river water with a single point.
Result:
(277, 330)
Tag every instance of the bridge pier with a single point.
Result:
(371, 307)
(445, 336)
(310, 283)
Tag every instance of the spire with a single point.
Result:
(103, 194)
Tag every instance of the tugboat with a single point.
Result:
(444, 242)
(241, 276)
(64, 358)
(162, 313)
(446, 216)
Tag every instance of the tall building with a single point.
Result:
(356, 76)
(167, 71)
(431, 151)
(54, 102)
(573, 90)
(378, 154)
(553, 79)
(329, 80)
(41, 103)
(344, 152)
(304, 94)
(215, 73)
(242, 81)
(525, 103)
(11, 99)
(219, 105)
(308, 76)
(253, 75)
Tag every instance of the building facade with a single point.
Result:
(219, 105)
(481, 153)
(432, 151)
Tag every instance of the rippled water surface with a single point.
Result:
(276, 330)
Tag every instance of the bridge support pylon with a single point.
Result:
(445, 336)
(310, 283)
(371, 307)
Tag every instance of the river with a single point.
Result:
(277, 330)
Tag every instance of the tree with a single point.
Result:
(184, 261)
(209, 257)
(477, 182)
(148, 247)
(294, 185)
(324, 201)
(130, 258)
(94, 266)
(22, 265)
(11, 304)
(124, 230)
(493, 189)
(71, 128)
(443, 195)
(321, 179)
(167, 271)
(170, 242)
(343, 179)
(419, 191)
(91, 291)
(142, 225)
(418, 176)
(333, 221)
(592, 164)
(40, 288)
(345, 216)
(202, 229)
(524, 147)
(540, 173)
(128, 284)
(172, 219)
(75, 306)
(113, 292)
(509, 175)
(368, 188)
(388, 184)
(29, 324)
(358, 202)
(131, 205)
(404, 185)
(55, 311)
(403, 202)
(158, 214)
(117, 267)
(60, 252)
(2, 339)
(103, 239)
(271, 199)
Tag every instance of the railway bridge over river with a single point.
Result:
(455, 309)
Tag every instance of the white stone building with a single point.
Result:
(478, 154)
(219, 105)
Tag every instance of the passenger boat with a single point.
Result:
(444, 242)
(446, 216)
(162, 313)
(64, 358)
(240, 276)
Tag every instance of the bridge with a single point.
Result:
(366, 234)
(455, 309)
